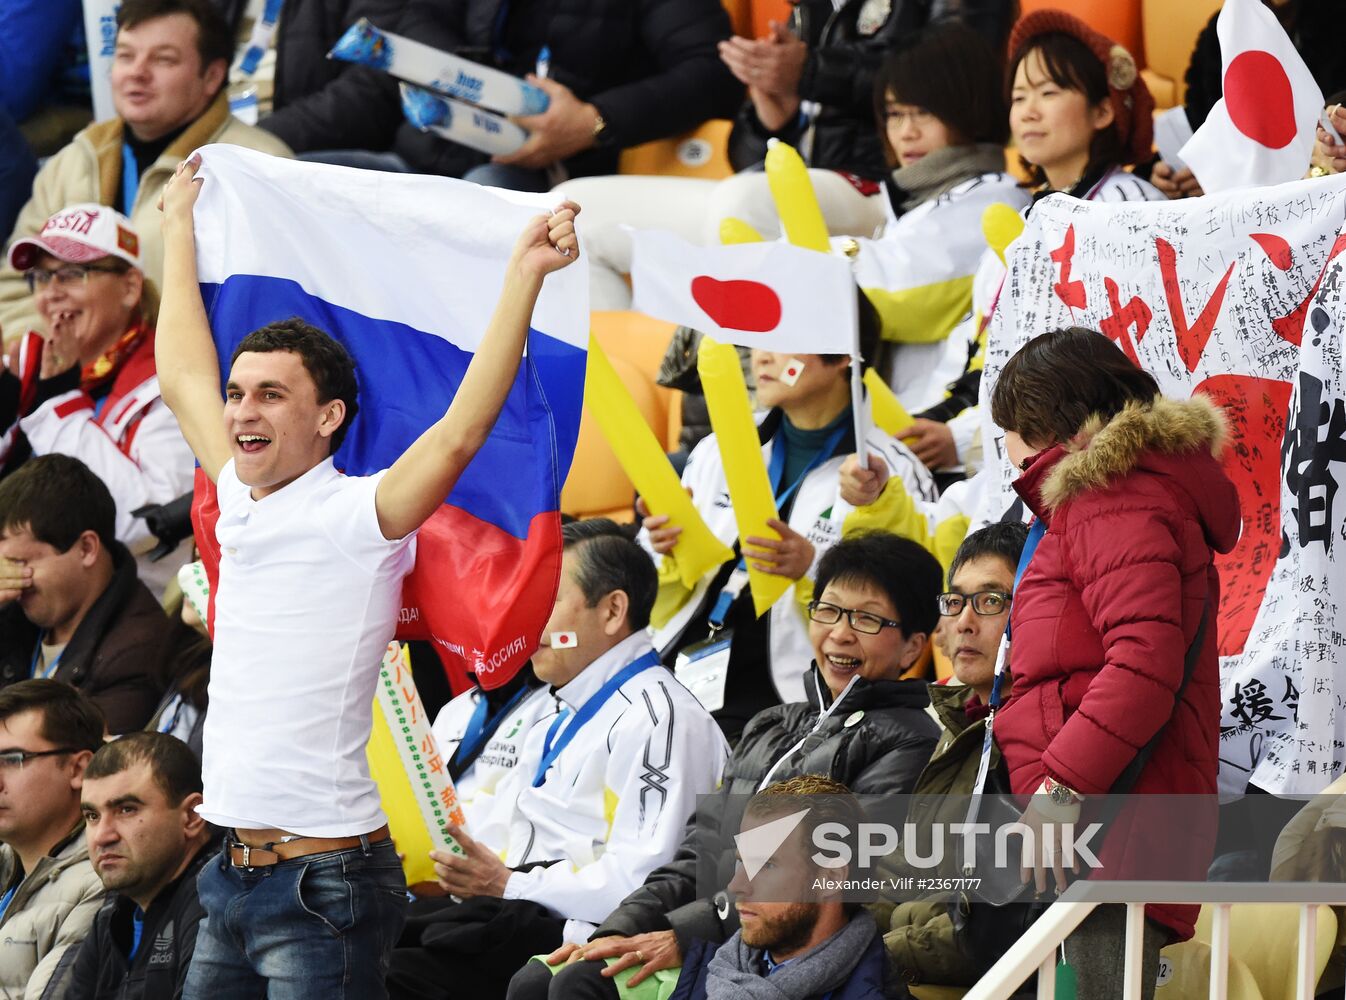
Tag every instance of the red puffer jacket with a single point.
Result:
(1102, 621)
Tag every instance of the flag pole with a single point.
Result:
(858, 413)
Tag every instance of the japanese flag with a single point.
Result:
(1261, 131)
(773, 296)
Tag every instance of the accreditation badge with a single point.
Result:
(703, 667)
(873, 14)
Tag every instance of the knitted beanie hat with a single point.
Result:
(1132, 105)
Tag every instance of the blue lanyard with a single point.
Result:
(775, 472)
(137, 931)
(483, 724)
(586, 712)
(7, 897)
(1035, 533)
(130, 179)
(50, 669)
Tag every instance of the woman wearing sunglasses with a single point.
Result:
(88, 389)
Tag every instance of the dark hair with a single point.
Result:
(608, 559)
(325, 359)
(827, 801)
(902, 569)
(951, 71)
(214, 41)
(173, 766)
(69, 717)
(1004, 540)
(1072, 64)
(1057, 381)
(871, 329)
(57, 498)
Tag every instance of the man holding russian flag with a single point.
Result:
(307, 896)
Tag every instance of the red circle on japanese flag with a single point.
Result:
(749, 306)
(1260, 99)
(792, 371)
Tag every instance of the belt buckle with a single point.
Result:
(247, 855)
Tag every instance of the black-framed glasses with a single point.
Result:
(67, 274)
(862, 621)
(984, 602)
(12, 760)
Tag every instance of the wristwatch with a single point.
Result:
(600, 128)
(1059, 794)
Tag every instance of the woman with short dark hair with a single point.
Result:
(1131, 507)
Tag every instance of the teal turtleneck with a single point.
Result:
(801, 445)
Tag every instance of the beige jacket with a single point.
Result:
(90, 169)
(51, 911)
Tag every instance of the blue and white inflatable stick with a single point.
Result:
(461, 123)
(420, 64)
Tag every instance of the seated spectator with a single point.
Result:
(168, 76)
(90, 390)
(601, 796)
(941, 109)
(147, 844)
(71, 607)
(1079, 112)
(616, 76)
(481, 734)
(48, 890)
(862, 725)
(802, 939)
(806, 434)
(821, 948)
(810, 83)
(920, 936)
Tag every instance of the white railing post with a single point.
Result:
(1047, 978)
(1133, 961)
(1219, 952)
(1306, 973)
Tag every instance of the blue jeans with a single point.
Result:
(320, 927)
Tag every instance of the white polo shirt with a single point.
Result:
(309, 592)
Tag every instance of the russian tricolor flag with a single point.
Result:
(405, 271)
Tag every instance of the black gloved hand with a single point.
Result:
(169, 522)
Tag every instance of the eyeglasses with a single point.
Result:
(13, 760)
(862, 621)
(984, 602)
(68, 274)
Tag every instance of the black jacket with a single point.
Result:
(307, 33)
(846, 49)
(876, 741)
(119, 653)
(649, 66)
(159, 969)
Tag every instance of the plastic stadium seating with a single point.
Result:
(1118, 19)
(768, 10)
(1265, 938)
(1170, 31)
(597, 487)
(1184, 974)
(702, 152)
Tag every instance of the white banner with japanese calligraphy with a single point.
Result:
(1214, 295)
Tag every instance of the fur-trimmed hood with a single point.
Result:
(1103, 452)
(1177, 439)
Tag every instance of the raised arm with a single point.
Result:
(419, 481)
(184, 353)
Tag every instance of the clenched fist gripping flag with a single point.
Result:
(405, 271)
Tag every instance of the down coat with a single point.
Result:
(1135, 511)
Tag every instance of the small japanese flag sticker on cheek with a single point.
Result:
(564, 640)
(791, 372)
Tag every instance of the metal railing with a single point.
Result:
(1036, 951)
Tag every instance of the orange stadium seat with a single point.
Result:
(1118, 19)
(635, 343)
(768, 10)
(702, 152)
(740, 16)
(1170, 32)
